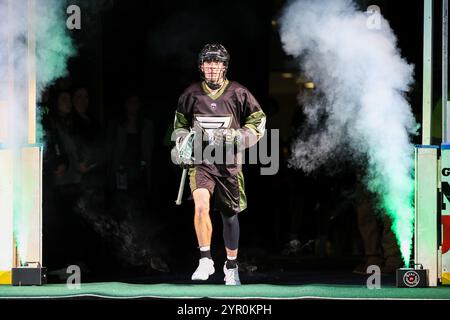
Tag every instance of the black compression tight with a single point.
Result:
(231, 231)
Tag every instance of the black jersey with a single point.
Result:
(233, 106)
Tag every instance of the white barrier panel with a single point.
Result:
(426, 211)
(31, 196)
(445, 213)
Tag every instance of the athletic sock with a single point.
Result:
(231, 262)
(205, 252)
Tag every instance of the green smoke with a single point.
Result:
(396, 197)
(54, 46)
(19, 220)
(23, 204)
(41, 111)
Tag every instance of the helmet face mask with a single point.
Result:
(216, 59)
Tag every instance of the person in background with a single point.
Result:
(131, 142)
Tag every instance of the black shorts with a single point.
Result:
(229, 192)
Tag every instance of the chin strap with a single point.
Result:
(215, 86)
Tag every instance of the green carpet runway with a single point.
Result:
(118, 290)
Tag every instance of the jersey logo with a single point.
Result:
(211, 122)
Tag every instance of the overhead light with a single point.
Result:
(287, 75)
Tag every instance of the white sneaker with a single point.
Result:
(231, 276)
(204, 270)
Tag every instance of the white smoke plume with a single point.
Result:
(362, 80)
(53, 47)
